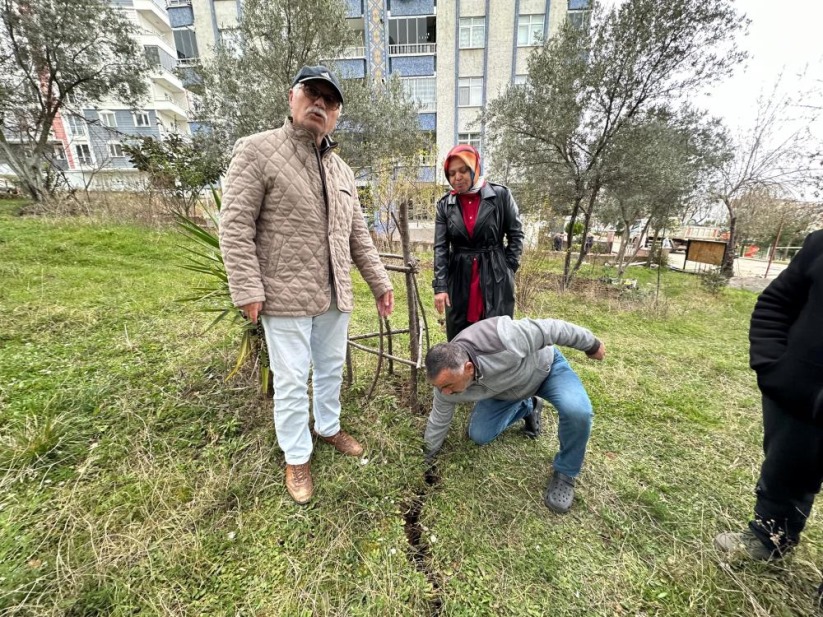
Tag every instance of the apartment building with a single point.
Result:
(453, 56)
(90, 138)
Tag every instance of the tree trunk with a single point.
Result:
(414, 318)
(587, 217)
(625, 236)
(652, 248)
(636, 249)
(567, 262)
(727, 266)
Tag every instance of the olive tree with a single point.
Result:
(586, 85)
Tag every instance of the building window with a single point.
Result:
(422, 90)
(412, 35)
(185, 41)
(473, 139)
(358, 26)
(520, 80)
(141, 119)
(83, 154)
(59, 152)
(107, 119)
(579, 14)
(115, 149)
(230, 39)
(472, 32)
(78, 126)
(470, 92)
(530, 30)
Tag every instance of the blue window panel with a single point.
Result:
(126, 4)
(425, 174)
(351, 68)
(578, 5)
(354, 8)
(180, 16)
(427, 122)
(198, 127)
(412, 66)
(400, 8)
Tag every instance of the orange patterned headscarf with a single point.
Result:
(471, 157)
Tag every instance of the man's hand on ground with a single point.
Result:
(385, 304)
(251, 311)
(599, 354)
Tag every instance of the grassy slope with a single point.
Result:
(135, 478)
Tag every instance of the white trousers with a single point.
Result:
(294, 344)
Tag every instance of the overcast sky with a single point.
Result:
(783, 37)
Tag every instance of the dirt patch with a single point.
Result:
(755, 284)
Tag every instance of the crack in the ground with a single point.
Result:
(419, 551)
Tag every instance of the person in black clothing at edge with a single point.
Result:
(786, 352)
(473, 268)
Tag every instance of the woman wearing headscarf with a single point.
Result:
(473, 266)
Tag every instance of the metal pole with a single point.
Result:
(774, 247)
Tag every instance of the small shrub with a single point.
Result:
(713, 281)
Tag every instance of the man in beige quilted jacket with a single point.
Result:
(290, 227)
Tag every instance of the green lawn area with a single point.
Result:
(136, 480)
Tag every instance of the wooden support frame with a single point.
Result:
(418, 325)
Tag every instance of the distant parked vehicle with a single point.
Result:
(681, 236)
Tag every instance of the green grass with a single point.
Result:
(136, 480)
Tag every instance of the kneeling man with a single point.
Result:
(507, 366)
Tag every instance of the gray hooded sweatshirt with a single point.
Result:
(511, 360)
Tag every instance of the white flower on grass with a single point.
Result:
(232, 535)
(433, 538)
(364, 461)
(393, 551)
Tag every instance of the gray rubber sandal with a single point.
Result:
(559, 493)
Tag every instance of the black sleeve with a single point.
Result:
(513, 230)
(441, 249)
(777, 309)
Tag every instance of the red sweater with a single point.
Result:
(470, 206)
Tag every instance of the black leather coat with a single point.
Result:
(786, 335)
(454, 253)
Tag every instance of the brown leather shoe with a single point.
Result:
(344, 443)
(299, 482)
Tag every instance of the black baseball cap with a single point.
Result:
(321, 73)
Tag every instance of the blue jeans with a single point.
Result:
(564, 390)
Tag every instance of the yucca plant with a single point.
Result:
(213, 294)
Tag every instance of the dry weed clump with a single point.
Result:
(141, 207)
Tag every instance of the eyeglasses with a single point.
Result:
(313, 93)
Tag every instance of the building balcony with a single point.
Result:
(154, 38)
(169, 105)
(155, 12)
(164, 77)
(413, 49)
(352, 52)
(178, 3)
